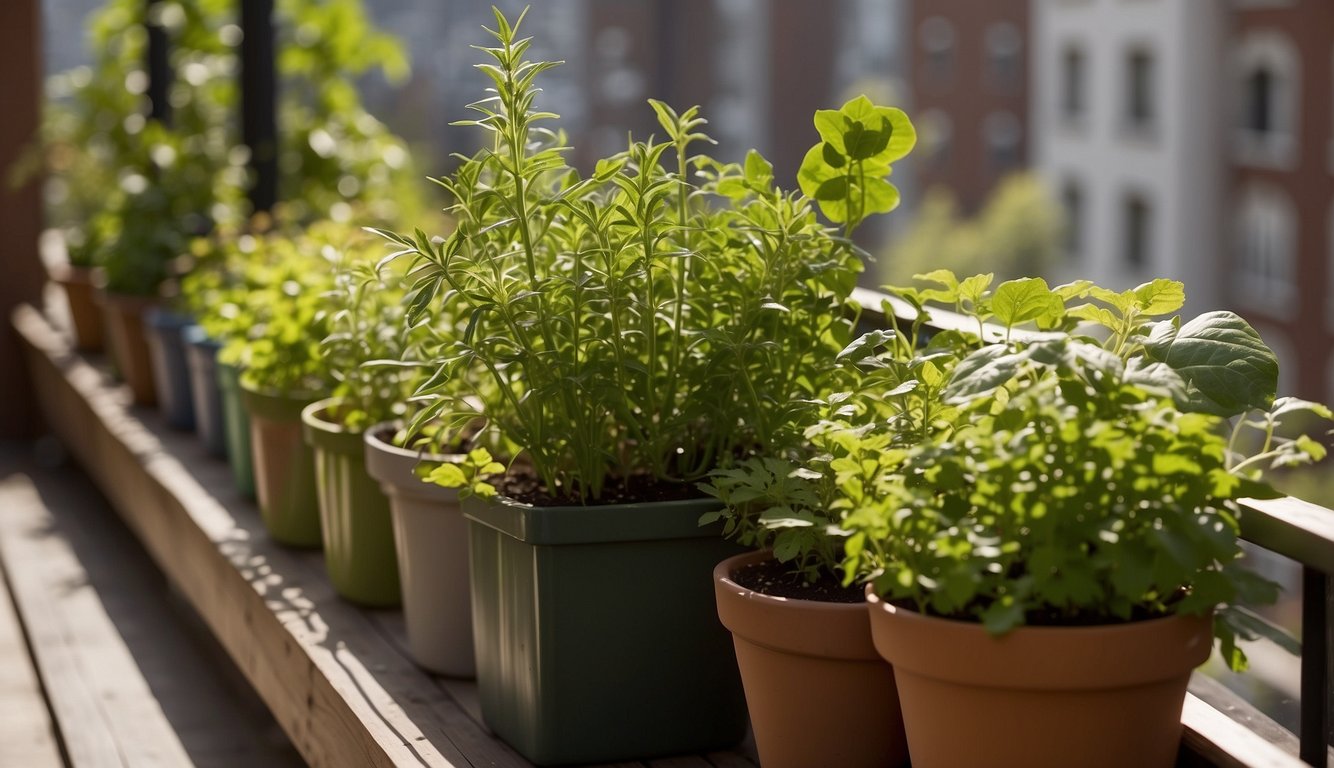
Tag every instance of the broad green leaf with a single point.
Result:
(981, 373)
(1161, 296)
(1023, 300)
(1222, 359)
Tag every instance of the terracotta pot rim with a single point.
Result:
(1040, 658)
(65, 272)
(723, 574)
(813, 628)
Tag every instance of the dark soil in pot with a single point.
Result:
(776, 579)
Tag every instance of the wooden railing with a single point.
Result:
(1289, 527)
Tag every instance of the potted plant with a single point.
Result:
(281, 372)
(803, 639)
(363, 312)
(635, 330)
(1045, 569)
(430, 532)
(75, 277)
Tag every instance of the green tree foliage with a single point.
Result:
(1016, 233)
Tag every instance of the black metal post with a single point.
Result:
(1316, 652)
(159, 67)
(259, 91)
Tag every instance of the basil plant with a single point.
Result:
(1083, 464)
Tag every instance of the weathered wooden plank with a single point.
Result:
(27, 736)
(341, 692)
(1225, 743)
(110, 716)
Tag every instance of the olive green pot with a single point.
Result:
(284, 466)
(596, 632)
(354, 513)
(236, 428)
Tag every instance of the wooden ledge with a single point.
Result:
(337, 678)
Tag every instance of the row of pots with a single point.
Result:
(595, 636)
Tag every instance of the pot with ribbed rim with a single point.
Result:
(817, 691)
(431, 537)
(284, 466)
(354, 514)
(596, 632)
(1098, 696)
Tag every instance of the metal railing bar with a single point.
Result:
(1317, 639)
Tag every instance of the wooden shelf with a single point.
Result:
(337, 678)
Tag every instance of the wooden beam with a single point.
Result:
(20, 209)
(259, 95)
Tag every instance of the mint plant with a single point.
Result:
(1091, 470)
(642, 323)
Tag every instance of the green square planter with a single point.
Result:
(354, 513)
(596, 631)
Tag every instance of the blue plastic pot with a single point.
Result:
(201, 353)
(171, 374)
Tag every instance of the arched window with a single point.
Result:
(935, 135)
(937, 38)
(1003, 133)
(1004, 44)
(1267, 76)
(1265, 247)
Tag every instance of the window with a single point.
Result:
(936, 36)
(1267, 103)
(1136, 221)
(1002, 133)
(1072, 203)
(1003, 60)
(1265, 243)
(935, 134)
(1139, 111)
(1072, 83)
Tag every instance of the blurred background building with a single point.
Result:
(1192, 140)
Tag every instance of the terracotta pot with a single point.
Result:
(83, 311)
(284, 466)
(171, 373)
(817, 691)
(1097, 696)
(432, 540)
(354, 513)
(124, 317)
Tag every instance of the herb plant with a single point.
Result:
(640, 324)
(1091, 471)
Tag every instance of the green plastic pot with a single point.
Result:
(236, 428)
(284, 466)
(596, 631)
(354, 513)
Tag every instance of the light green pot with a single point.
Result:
(236, 428)
(284, 467)
(354, 514)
